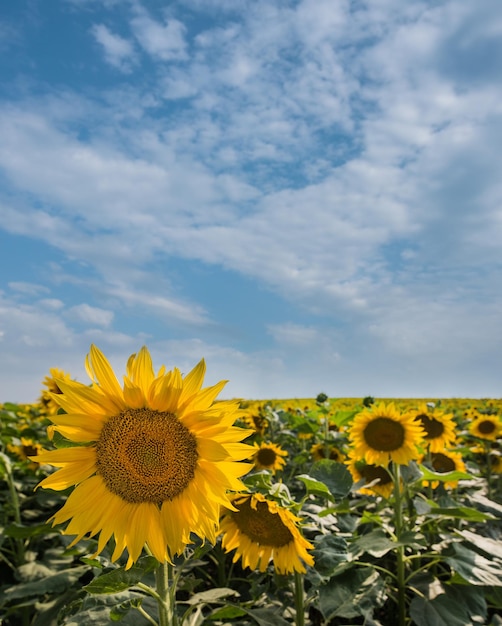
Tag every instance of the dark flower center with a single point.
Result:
(146, 456)
(384, 434)
(260, 525)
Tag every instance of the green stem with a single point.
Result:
(299, 604)
(14, 498)
(398, 524)
(488, 468)
(166, 596)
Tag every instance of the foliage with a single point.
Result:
(430, 549)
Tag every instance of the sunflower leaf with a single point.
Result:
(121, 579)
(443, 477)
(333, 474)
(451, 607)
(472, 567)
(315, 487)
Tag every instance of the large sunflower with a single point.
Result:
(260, 530)
(269, 456)
(439, 427)
(154, 461)
(381, 434)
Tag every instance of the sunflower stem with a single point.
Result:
(398, 525)
(167, 596)
(299, 603)
(16, 507)
(488, 468)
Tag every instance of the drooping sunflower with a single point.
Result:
(486, 427)
(381, 433)
(444, 463)
(378, 479)
(439, 427)
(260, 530)
(321, 451)
(48, 404)
(269, 456)
(154, 461)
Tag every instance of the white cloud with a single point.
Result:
(90, 315)
(294, 334)
(27, 288)
(119, 52)
(165, 41)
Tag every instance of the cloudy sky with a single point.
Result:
(306, 193)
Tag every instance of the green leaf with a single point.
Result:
(485, 504)
(443, 477)
(354, 592)
(441, 611)
(57, 583)
(315, 487)
(334, 475)
(119, 611)
(329, 552)
(473, 567)
(267, 617)
(211, 595)
(121, 579)
(226, 612)
(21, 532)
(376, 543)
(484, 544)
(461, 512)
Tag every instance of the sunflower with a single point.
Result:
(444, 463)
(379, 479)
(381, 434)
(269, 456)
(27, 449)
(439, 427)
(153, 461)
(496, 463)
(47, 402)
(321, 451)
(486, 427)
(260, 531)
(256, 420)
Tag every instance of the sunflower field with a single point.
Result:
(154, 502)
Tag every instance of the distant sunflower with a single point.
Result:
(379, 479)
(269, 456)
(47, 402)
(381, 434)
(158, 458)
(439, 427)
(259, 530)
(321, 451)
(27, 449)
(486, 427)
(256, 420)
(444, 463)
(496, 463)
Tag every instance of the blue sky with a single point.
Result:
(306, 193)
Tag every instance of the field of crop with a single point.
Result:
(342, 511)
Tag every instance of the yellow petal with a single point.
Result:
(100, 371)
(193, 381)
